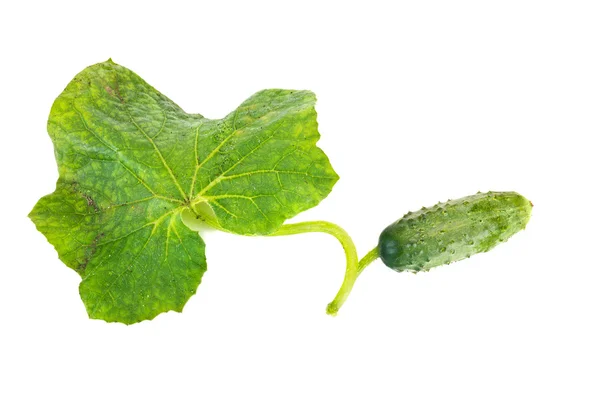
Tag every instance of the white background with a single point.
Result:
(418, 102)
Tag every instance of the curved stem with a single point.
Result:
(346, 241)
(353, 266)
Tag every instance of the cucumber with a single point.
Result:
(452, 231)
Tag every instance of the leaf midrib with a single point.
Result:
(156, 149)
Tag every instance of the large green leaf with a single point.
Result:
(131, 162)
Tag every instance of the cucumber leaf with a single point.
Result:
(132, 163)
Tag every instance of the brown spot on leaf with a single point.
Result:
(114, 92)
(90, 252)
(90, 201)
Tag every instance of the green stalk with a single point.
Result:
(367, 259)
(195, 219)
(353, 267)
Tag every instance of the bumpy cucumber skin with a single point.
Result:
(452, 231)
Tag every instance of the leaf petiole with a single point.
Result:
(196, 219)
(353, 267)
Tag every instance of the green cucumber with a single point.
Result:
(452, 231)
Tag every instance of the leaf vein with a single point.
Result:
(158, 152)
(217, 179)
